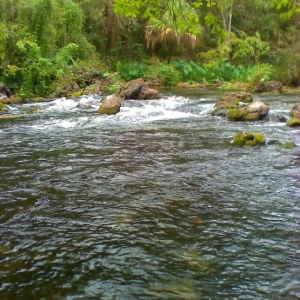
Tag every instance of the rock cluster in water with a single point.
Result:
(238, 106)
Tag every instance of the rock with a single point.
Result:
(147, 93)
(249, 139)
(230, 100)
(287, 146)
(268, 86)
(293, 122)
(252, 112)
(295, 111)
(83, 106)
(110, 105)
(295, 116)
(3, 109)
(137, 89)
(278, 118)
(69, 90)
(94, 88)
(5, 92)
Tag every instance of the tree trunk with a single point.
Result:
(110, 24)
(170, 51)
(229, 19)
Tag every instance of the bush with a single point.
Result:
(166, 73)
(259, 72)
(190, 70)
(129, 70)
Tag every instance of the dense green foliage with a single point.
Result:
(45, 43)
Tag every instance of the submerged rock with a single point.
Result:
(249, 139)
(110, 105)
(287, 146)
(253, 112)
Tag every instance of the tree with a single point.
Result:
(110, 24)
(289, 7)
(168, 22)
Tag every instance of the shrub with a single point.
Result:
(129, 70)
(190, 70)
(259, 72)
(165, 73)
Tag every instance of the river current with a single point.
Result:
(151, 203)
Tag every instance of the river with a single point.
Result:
(151, 203)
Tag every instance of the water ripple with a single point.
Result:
(153, 203)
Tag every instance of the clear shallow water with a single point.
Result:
(152, 203)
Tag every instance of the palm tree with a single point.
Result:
(174, 28)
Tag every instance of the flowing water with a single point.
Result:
(151, 203)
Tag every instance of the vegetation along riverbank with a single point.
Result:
(59, 48)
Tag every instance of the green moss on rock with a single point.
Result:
(252, 112)
(248, 139)
(293, 122)
(255, 116)
(230, 100)
(3, 106)
(108, 110)
(288, 145)
(110, 105)
(235, 114)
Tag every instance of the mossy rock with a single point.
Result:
(76, 93)
(233, 98)
(241, 114)
(230, 100)
(252, 112)
(293, 122)
(11, 116)
(3, 106)
(108, 111)
(295, 111)
(255, 116)
(287, 146)
(248, 139)
(110, 105)
(236, 114)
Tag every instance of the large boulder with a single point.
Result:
(137, 89)
(110, 105)
(248, 139)
(295, 116)
(5, 92)
(230, 100)
(268, 86)
(252, 112)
